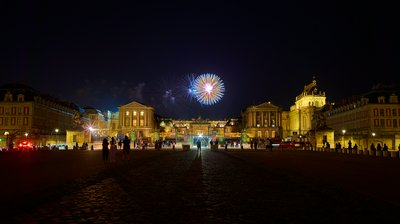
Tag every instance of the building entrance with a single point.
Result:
(205, 141)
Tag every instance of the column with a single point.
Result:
(262, 119)
(254, 119)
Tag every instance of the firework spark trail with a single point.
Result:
(207, 88)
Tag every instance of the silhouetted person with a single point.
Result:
(113, 150)
(126, 148)
(372, 147)
(105, 150)
(120, 144)
(385, 148)
(198, 145)
(379, 147)
(349, 144)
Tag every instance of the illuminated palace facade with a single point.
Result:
(27, 114)
(373, 117)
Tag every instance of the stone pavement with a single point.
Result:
(200, 187)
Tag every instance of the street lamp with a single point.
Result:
(26, 134)
(344, 132)
(56, 130)
(6, 133)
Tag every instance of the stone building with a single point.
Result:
(311, 99)
(136, 120)
(373, 117)
(263, 121)
(25, 113)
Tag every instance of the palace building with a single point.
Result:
(373, 117)
(27, 114)
(137, 121)
(263, 121)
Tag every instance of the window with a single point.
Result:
(20, 98)
(8, 97)
(388, 112)
(127, 113)
(382, 123)
(394, 112)
(13, 121)
(13, 110)
(127, 122)
(134, 122)
(26, 110)
(381, 99)
(141, 122)
(134, 113)
(1, 121)
(1, 110)
(395, 123)
(388, 123)
(382, 112)
(26, 121)
(376, 112)
(141, 113)
(376, 123)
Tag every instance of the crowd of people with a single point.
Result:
(109, 149)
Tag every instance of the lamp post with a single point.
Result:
(6, 133)
(373, 136)
(56, 130)
(344, 132)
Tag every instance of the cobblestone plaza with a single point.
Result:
(166, 186)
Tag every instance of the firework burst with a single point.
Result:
(207, 88)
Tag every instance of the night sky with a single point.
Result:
(105, 54)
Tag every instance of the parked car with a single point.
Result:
(25, 146)
(298, 145)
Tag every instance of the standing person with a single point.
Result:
(120, 144)
(198, 145)
(113, 150)
(350, 144)
(379, 147)
(105, 150)
(126, 148)
(372, 148)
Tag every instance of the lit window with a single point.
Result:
(134, 113)
(127, 113)
(141, 113)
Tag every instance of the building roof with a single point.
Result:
(311, 89)
(30, 93)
